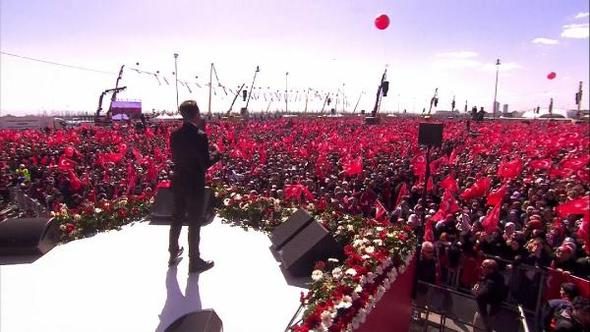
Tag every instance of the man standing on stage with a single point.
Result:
(190, 154)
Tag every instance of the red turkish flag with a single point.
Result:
(576, 206)
(541, 164)
(496, 197)
(403, 191)
(419, 164)
(66, 164)
(510, 170)
(450, 184)
(353, 167)
(478, 189)
(380, 211)
(75, 182)
(448, 205)
(428, 230)
(575, 163)
(490, 222)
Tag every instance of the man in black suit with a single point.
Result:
(190, 154)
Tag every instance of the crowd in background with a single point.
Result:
(517, 191)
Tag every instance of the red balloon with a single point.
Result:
(551, 75)
(382, 22)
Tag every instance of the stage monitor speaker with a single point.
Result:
(162, 210)
(287, 230)
(430, 134)
(199, 321)
(370, 120)
(313, 243)
(28, 236)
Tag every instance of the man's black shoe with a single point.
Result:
(175, 258)
(200, 266)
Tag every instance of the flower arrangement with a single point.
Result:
(343, 294)
(103, 216)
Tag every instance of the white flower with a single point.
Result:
(238, 197)
(355, 323)
(77, 217)
(386, 283)
(226, 202)
(370, 249)
(358, 289)
(97, 210)
(379, 228)
(362, 315)
(379, 270)
(333, 260)
(345, 303)
(340, 228)
(327, 319)
(378, 242)
(317, 275)
(351, 272)
(363, 280)
(62, 227)
(337, 273)
(350, 228)
(357, 243)
(365, 257)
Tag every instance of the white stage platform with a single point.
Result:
(120, 281)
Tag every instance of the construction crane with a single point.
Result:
(98, 119)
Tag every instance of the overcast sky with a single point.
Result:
(326, 45)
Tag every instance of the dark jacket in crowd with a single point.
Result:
(492, 291)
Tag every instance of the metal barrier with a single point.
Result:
(27, 204)
(452, 310)
(525, 325)
(526, 284)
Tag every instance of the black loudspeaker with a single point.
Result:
(287, 230)
(313, 243)
(430, 134)
(200, 321)
(163, 208)
(28, 236)
(370, 120)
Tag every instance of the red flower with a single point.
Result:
(70, 228)
(320, 266)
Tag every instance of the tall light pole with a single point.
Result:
(496, 88)
(210, 87)
(176, 78)
(579, 101)
(252, 86)
(286, 92)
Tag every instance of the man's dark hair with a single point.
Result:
(188, 109)
(570, 290)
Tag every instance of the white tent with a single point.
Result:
(544, 114)
(167, 117)
(120, 117)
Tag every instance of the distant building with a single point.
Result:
(496, 107)
(505, 109)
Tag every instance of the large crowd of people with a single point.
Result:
(515, 191)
